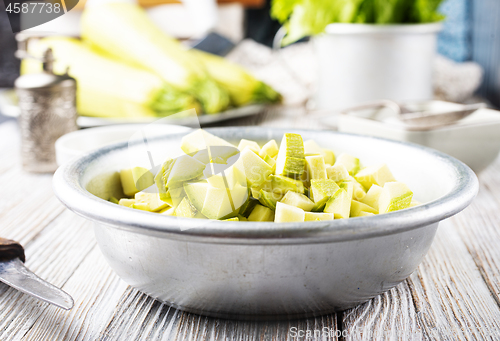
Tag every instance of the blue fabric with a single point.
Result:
(486, 46)
(454, 40)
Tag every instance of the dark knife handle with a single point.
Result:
(10, 249)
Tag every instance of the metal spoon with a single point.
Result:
(437, 118)
(418, 120)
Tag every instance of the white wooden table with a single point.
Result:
(454, 294)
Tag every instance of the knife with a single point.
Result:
(15, 274)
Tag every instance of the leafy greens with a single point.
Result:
(303, 18)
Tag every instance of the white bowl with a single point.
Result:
(78, 143)
(474, 140)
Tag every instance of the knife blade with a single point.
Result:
(15, 274)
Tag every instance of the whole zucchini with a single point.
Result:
(106, 87)
(243, 88)
(126, 32)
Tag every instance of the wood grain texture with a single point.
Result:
(453, 295)
(96, 290)
(53, 255)
(391, 315)
(445, 299)
(479, 226)
(452, 300)
(165, 323)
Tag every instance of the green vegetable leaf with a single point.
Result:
(310, 17)
(390, 11)
(425, 11)
(282, 9)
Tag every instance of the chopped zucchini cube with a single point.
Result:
(287, 213)
(298, 200)
(318, 216)
(290, 160)
(261, 213)
(374, 175)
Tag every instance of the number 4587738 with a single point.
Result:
(33, 7)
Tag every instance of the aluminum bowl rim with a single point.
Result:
(68, 189)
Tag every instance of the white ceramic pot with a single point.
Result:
(360, 62)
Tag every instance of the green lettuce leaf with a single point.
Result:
(425, 11)
(282, 9)
(303, 18)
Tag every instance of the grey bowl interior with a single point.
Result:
(248, 270)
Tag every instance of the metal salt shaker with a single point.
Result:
(47, 104)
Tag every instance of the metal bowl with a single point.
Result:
(269, 270)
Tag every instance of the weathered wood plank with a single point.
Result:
(25, 220)
(138, 317)
(479, 227)
(446, 298)
(19, 187)
(28, 203)
(96, 291)
(451, 297)
(53, 255)
(391, 315)
(481, 233)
